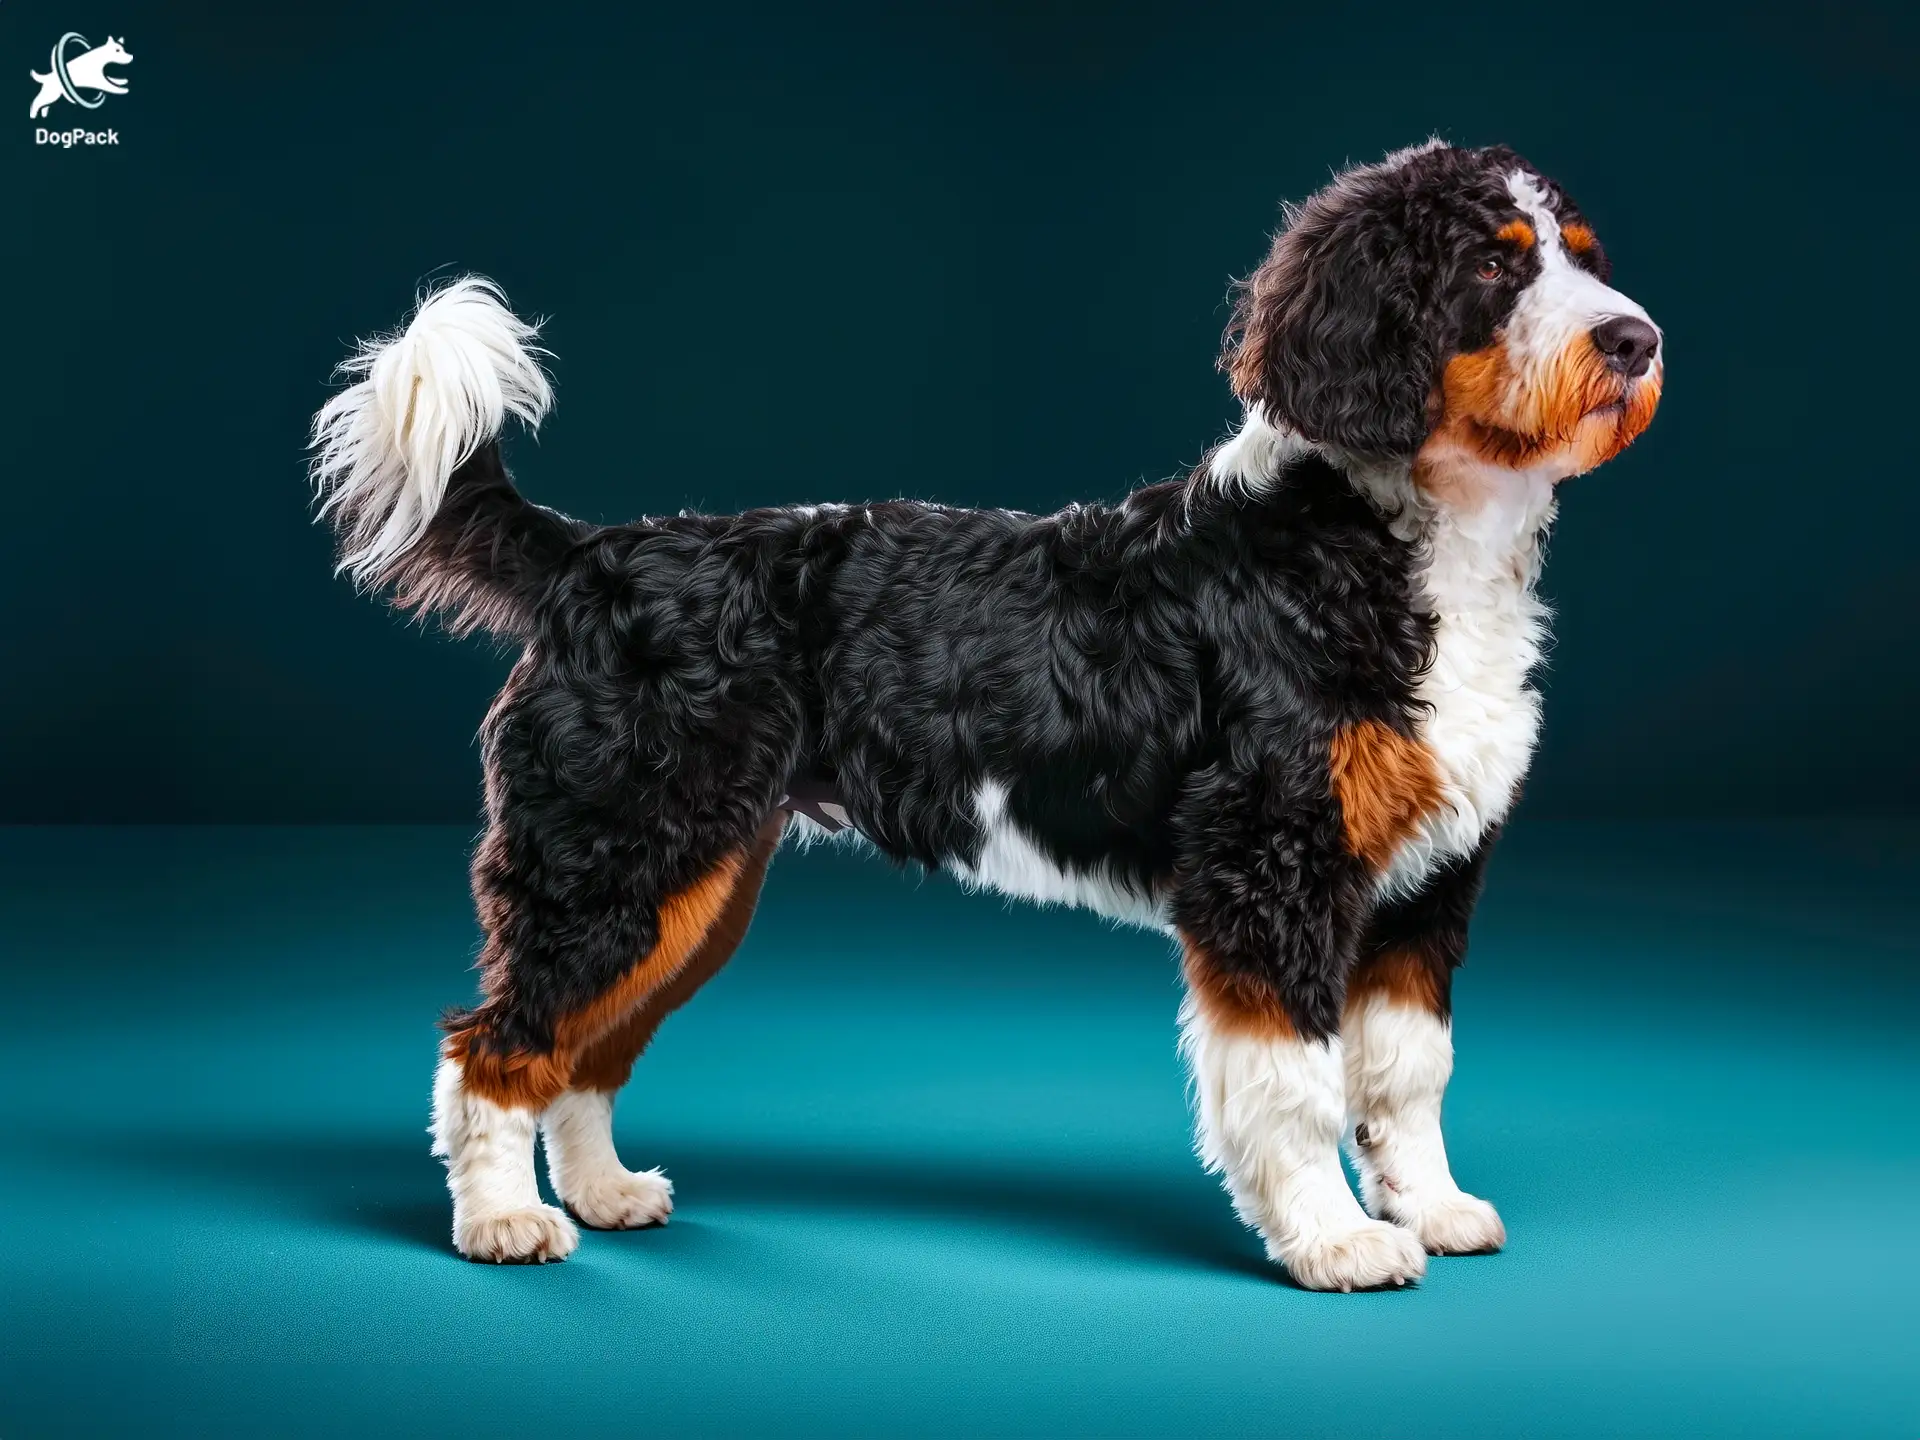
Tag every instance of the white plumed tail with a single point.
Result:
(424, 400)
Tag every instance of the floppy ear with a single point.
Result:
(1329, 336)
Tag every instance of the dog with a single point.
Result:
(87, 71)
(1278, 707)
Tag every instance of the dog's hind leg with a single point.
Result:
(487, 1145)
(581, 930)
(582, 1165)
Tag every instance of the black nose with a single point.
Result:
(1627, 343)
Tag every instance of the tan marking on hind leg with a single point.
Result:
(582, 1163)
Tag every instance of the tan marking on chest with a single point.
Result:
(1385, 783)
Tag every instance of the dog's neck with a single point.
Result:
(1476, 553)
(1499, 533)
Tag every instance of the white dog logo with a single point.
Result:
(86, 71)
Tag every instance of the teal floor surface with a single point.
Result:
(932, 1164)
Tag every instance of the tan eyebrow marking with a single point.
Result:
(1577, 237)
(1518, 231)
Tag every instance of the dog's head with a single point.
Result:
(1448, 308)
(114, 53)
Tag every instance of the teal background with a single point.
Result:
(932, 1151)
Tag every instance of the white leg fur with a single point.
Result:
(497, 1211)
(1270, 1119)
(1399, 1058)
(586, 1172)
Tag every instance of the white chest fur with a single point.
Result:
(1484, 714)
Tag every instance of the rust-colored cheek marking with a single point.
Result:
(1407, 977)
(1476, 427)
(1577, 237)
(521, 1079)
(1242, 1005)
(1475, 390)
(1574, 408)
(1385, 783)
(1516, 232)
(1576, 385)
(1597, 435)
(1641, 403)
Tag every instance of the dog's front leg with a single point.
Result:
(1399, 1050)
(1269, 906)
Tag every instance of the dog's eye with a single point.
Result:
(1490, 270)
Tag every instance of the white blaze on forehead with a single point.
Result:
(1533, 203)
(1564, 300)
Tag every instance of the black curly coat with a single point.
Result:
(1204, 696)
(1158, 682)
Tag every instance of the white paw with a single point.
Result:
(623, 1200)
(1458, 1224)
(1371, 1255)
(531, 1235)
